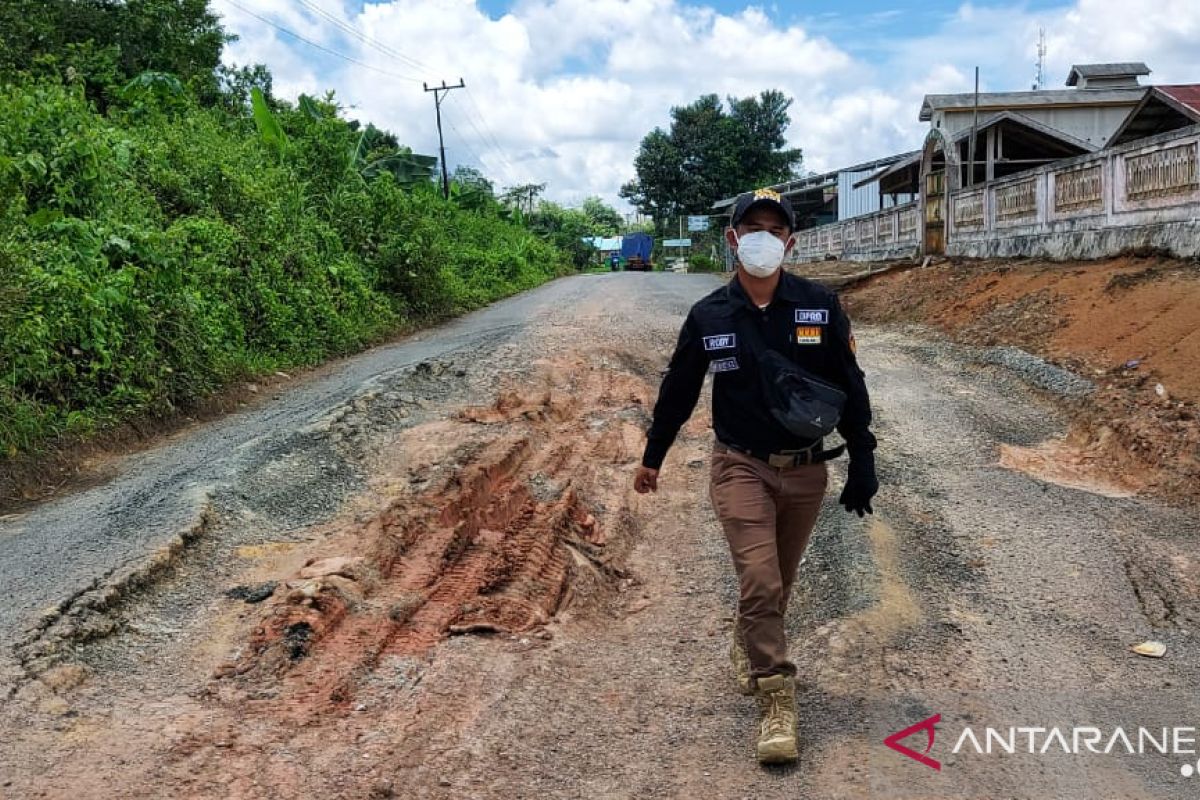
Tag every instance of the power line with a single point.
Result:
(475, 154)
(483, 119)
(505, 164)
(466, 145)
(348, 28)
(486, 136)
(321, 47)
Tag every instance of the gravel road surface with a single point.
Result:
(466, 599)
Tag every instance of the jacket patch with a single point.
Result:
(812, 316)
(724, 341)
(808, 334)
(724, 365)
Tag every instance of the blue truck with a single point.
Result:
(635, 251)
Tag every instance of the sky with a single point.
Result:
(561, 92)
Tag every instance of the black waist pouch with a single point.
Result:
(800, 401)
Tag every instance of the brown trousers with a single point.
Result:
(768, 514)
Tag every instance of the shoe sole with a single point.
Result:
(781, 753)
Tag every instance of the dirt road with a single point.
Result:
(422, 573)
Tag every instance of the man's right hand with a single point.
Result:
(646, 480)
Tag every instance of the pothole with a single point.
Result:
(491, 542)
(1087, 468)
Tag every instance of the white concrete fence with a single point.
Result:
(890, 233)
(1145, 194)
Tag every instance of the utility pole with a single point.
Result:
(438, 91)
(974, 128)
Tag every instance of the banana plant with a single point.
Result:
(269, 129)
(309, 108)
(407, 167)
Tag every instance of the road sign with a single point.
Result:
(677, 242)
(697, 223)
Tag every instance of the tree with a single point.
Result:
(603, 219)
(470, 176)
(236, 83)
(469, 188)
(710, 153)
(523, 197)
(110, 42)
(565, 228)
(659, 166)
(765, 159)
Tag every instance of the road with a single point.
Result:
(471, 601)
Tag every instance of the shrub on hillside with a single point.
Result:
(152, 253)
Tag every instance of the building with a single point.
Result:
(834, 196)
(1080, 172)
(1162, 109)
(978, 137)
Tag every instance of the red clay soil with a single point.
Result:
(487, 546)
(1130, 324)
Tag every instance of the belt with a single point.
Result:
(813, 454)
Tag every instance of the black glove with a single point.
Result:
(861, 484)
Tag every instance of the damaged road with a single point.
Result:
(288, 463)
(422, 572)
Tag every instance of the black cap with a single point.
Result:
(749, 200)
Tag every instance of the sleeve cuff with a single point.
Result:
(656, 451)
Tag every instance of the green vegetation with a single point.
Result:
(703, 263)
(167, 227)
(567, 227)
(711, 153)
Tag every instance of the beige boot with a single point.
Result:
(741, 664)
(776, 695)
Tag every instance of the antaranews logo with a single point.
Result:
(927, 725)
(1049, 740)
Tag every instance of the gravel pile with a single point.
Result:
(1037, 371)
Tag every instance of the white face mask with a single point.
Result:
(761, 253)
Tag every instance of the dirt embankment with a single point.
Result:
(1129, 325)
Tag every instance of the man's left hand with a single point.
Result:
(861, 485)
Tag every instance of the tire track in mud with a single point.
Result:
(493, 545)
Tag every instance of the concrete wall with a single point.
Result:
(890, 233)
(1143, 194)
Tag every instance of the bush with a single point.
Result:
(703, 263)
(158, 251)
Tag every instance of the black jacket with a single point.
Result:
(804, 321)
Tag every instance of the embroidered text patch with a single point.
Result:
(723, 341)
(812, 316)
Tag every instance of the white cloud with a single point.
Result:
(567, 88)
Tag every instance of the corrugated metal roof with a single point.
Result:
(904, 161)
(1185, 94)
(1114, 70)
(993, 101)
(1158, 112)
(823, 180)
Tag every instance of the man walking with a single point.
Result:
(766, 482)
